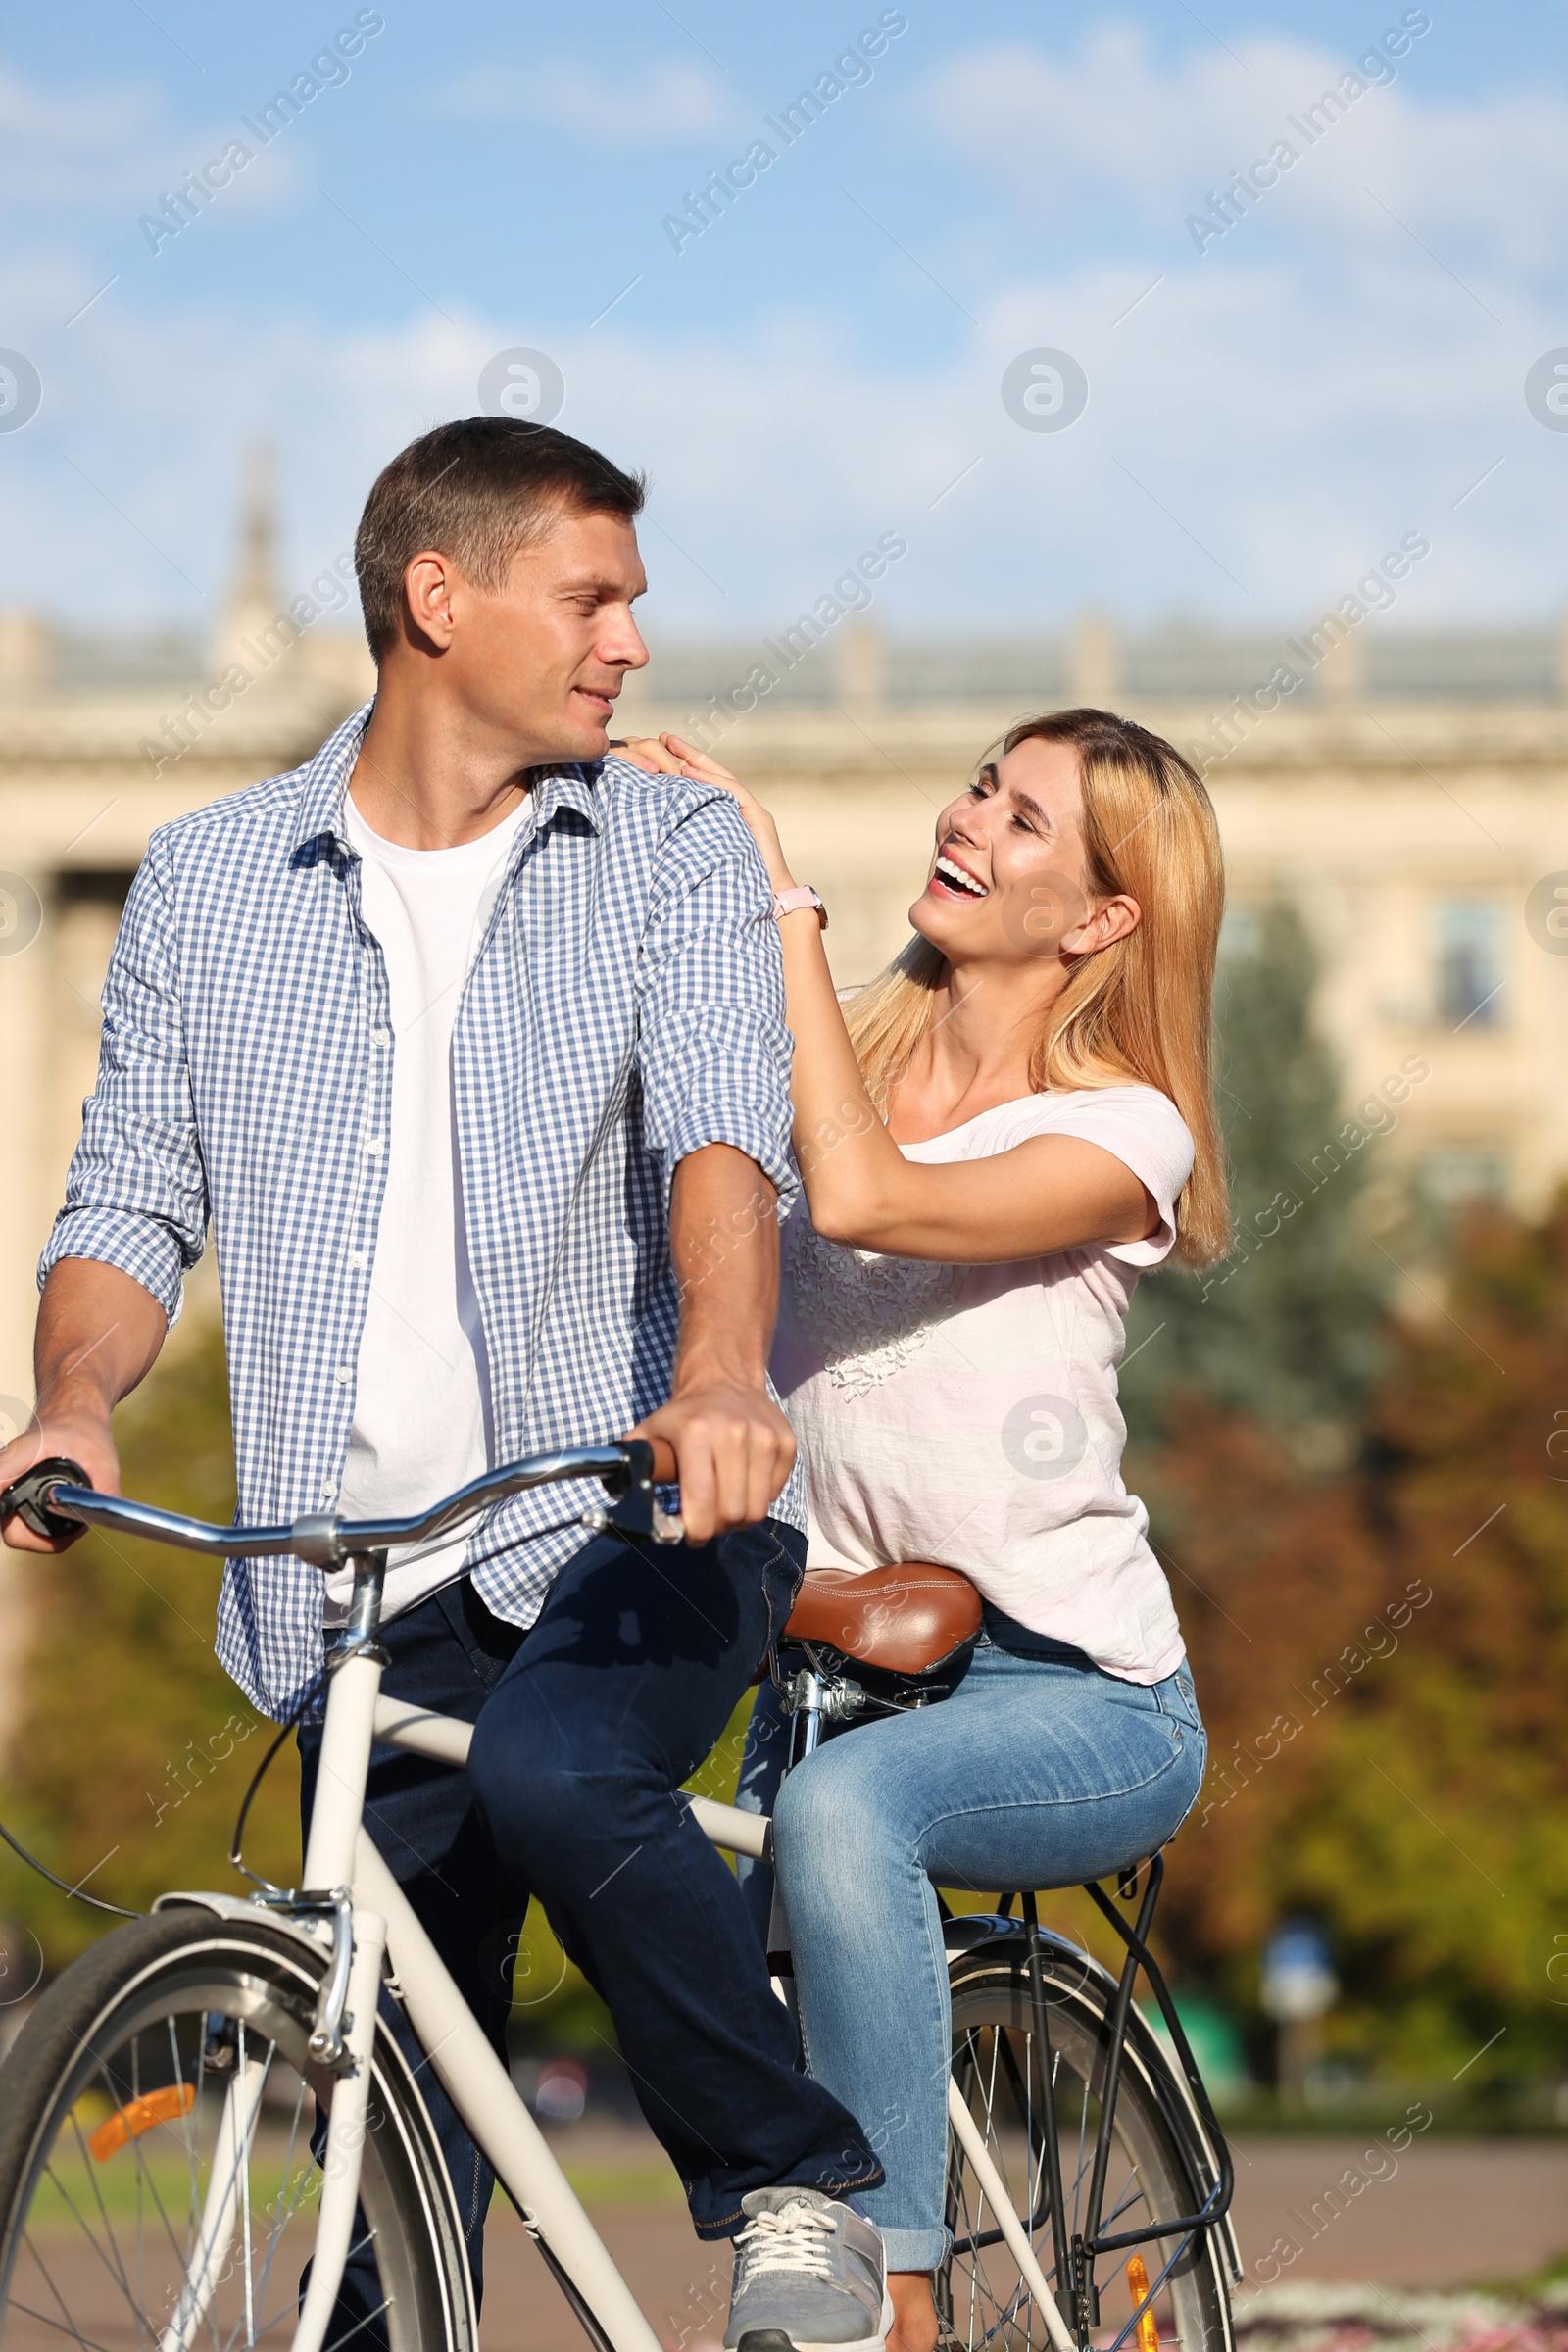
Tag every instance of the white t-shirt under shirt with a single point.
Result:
(421, 1402)
(967, 1416)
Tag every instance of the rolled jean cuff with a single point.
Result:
(916, 2249)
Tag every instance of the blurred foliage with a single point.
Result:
(1381, 1660)
(1380, 1679)
(133, 1748)
(1380, 1653)
(1288, 1326)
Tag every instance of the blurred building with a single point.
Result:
(1411, 794)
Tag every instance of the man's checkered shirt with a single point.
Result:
(625, 1006)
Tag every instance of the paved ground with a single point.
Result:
(1455, 2211)
(1448, 2212)
(1439, 2212)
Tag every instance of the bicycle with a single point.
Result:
(199, 2039)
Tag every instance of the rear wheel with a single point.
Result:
(1155, 2173)
(157, 2184)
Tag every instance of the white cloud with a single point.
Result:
(1112, 134)
(1245, 453)
(115, 150)
(1263, 420)
(662, 108)
(79, 148)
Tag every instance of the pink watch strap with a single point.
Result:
(785, 901)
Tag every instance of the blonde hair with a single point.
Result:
(1138, 1011)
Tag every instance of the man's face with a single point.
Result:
(541, 661)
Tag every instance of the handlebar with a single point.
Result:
(54, 1498)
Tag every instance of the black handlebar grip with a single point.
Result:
(25, 1498)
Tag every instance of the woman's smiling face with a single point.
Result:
(1007, 880)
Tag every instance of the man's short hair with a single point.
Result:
(477, 491)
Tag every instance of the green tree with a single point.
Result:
(135, 1749)
(1287, 1327)
(1380, 1659)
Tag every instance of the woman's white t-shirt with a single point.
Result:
(967, 1416)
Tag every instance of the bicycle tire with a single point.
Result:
(165, 2014)
(1163, 2169)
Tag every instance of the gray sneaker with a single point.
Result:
(809, 2276)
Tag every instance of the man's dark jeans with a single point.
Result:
(586, 1725)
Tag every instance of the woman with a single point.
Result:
(994, 1138)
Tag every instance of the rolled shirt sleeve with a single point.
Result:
(714, 1050)
(136, 1192)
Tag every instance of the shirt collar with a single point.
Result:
(326, 778)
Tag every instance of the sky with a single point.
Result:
(980, 294)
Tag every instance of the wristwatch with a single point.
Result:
(785, 901)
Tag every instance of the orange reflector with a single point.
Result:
(1137, 2289)
(153, 2107)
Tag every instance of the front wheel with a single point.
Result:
(156, 2184)
(1157, 2173)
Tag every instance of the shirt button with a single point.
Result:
(380, 1037)
(345, 1373)
(328, 1494)
(358, 1260)
(375, 1146)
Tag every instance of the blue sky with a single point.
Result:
(1268, 408)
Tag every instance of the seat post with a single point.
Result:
(808, 1712)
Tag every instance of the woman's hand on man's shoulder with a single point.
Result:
(672, 755)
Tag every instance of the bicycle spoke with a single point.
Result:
(1131, 2198)
(981, 2295)
(245, 2185)
(126, 2270)
(44, 2321)
(286, 2214)
(48, 2279)
(109, 2258)
(190, 2147)
(289, 2310)
(111, 2092)
(187, 2045)
(114, 2267)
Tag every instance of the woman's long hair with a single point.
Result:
(1138, 1011)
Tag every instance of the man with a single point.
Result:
(468, 1040)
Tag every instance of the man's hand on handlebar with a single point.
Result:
(99, 1333)
(733, 1450)
(73, 1437)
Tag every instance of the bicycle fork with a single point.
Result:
(343, 2036)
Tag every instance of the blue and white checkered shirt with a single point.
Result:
(625, 1006)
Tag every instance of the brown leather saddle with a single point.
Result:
(904, 1621)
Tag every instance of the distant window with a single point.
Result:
(1452, 1174)
(1469, 956)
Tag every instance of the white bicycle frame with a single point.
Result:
(352, 1903)
(341, 1853)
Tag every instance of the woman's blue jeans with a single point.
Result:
(1038, 1771)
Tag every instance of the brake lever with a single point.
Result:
(634, 1514)
(25, 1498)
